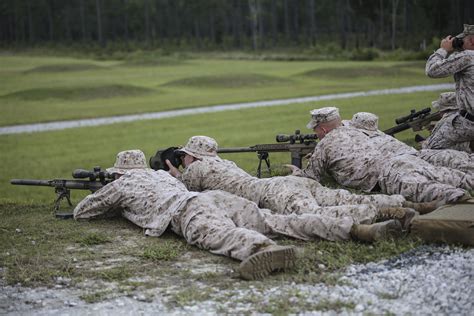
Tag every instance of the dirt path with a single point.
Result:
(59, 125)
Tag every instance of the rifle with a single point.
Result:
(96, 180)
(299, 145)
(416, 120)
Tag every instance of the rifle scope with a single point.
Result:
(97, 173)
(283, 138)
(413, 114)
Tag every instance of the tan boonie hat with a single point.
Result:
(322, 115)
(201, 146)
(468, 30)
(365, 120)
(445, 102)
(127, 160)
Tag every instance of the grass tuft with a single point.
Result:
(338, 305)
(163, 251)
(116, 274)
(95, 297)
(93, 239)
(191, 294)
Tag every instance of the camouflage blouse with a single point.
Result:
(146, 197)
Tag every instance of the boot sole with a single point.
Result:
(262, 263)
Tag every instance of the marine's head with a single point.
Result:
(128, 160)
(365, 120)
(324, 120)
(200, 147)
(465, 40)
(445, 102)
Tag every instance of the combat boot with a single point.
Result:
(402, 214)
(423, 207)
(377, 231)
(269, 259)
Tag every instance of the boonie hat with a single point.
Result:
(468, 30)
(445, 102)
(365, 120)
(201, 146)
(322, 115)
(127, 160)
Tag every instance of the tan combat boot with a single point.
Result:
(402, 214)
(423, 207)
(269, 259)
(377, 231)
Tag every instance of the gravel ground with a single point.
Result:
(427, 280)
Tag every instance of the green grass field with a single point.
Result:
(35, 247)
(55, 154)
(41, 89)
(36, 89)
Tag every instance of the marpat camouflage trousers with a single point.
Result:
(453, 132)
(419, 181)
(298, 195)
(232, 226)
(450, 158)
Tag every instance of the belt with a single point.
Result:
(467, 115)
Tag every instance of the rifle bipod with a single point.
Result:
(263, 155)
(63, 193)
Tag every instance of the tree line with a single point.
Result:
(233, 24)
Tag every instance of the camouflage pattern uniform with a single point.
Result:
(355, 160)
(387, 144)
(217, 221)
(282, 195)
(454, 159)
(461, 65)
(443, 134)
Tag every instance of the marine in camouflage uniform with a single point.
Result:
(282, 195)
(355, 160)
(454, 159)
(442, 135)
(215, 220)
(444, 62)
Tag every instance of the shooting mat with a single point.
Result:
(447, 224)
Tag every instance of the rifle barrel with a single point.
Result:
(45, 183)
(61, 183)
(278, 147)
(397, 129)
(235, 150)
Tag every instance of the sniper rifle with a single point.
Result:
(416, 120)
(96, 179)
(299, 145)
